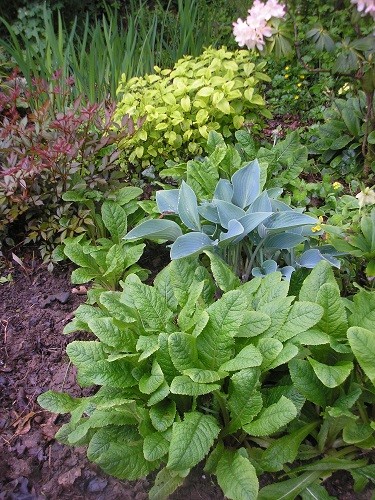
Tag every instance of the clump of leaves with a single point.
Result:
(218, 90)
(247, 226)
(45, 152)
(252, 381)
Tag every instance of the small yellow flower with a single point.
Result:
(318, 227)
(286, 76)
(302, 77)
(286, 68)
(336, 185)
(296, 97)
(299, 84)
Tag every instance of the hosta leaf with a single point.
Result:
(301, 317)
(284, 220)
(331, 376)
(167, 200)
(248, 357)
(224, 190)
(246, 184)
(227, 212)
(162, 415)
(190, 244)
(188, 207)
(321, 274)
(285, 449)
(149, 383)
(166, 483)
(272, 418)
(115, 220)
(203, 376)
(191, 440)
(334, 320)
(215, 343)
(112, 335)
(254, 323)
(183, 350)
(235, 232)
(237, 476)
(362, 342)
(155, 446)
(307, 382)
(184, 385)
(223, 275)
(244, 401)
(289, 489)
(157, 229)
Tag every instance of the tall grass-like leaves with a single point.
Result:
(130, 46)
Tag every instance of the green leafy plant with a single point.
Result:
(359, 241)
(339, 141)
(249, 228)
(251, 382)
(104, 259)
(218, 90)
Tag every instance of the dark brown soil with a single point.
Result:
(33, 311)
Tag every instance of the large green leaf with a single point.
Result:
(307, 382)
(301, 317)
(320, 275)
(191, 440)
(248, 357)
(75, 252)
(115, 220)
(151, 307)
(149, 383)
(115, 307)
(334, 320)
(277, 309)
(187, 387)
(165, 484)
(155, 446)
(126, 460)
(237, 476)
(254, 323)
(331, 375)
(364, 310)
(106, 331)
(215, 344)
(272, 418)
(224, 277)
(289, 489)
(285, 449)
(183, 350)
(58, 402)
(162, 415)
(362, 342)
(244, 401)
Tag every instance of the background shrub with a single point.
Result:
(218, 90)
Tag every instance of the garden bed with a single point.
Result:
(34, 309)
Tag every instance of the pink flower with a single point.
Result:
(255, 29)
(365, 6)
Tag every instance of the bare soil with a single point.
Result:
(33, 311)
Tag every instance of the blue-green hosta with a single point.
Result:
(246, 226)
(250, 382)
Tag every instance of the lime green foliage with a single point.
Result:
(240, 381)
(218, 90)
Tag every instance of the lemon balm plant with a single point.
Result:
(219, 90)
